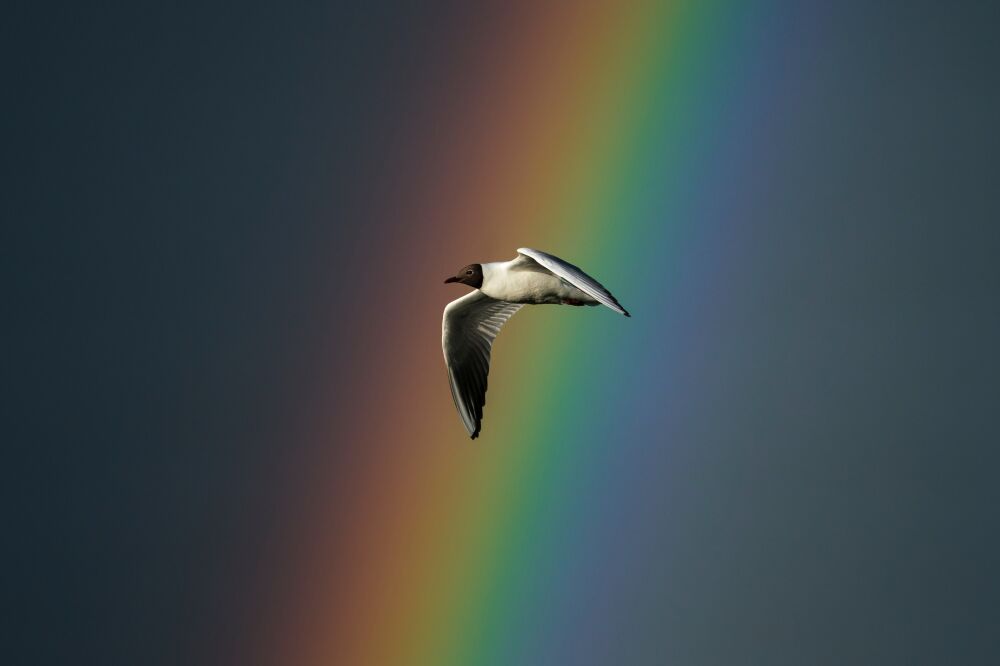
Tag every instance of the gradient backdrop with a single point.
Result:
(235, 440)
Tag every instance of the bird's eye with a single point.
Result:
(468, 272)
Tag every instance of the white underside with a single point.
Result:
(504, 281)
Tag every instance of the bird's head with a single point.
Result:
(471, 275)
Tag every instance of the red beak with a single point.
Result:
(451, 279)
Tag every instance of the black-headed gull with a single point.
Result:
(472, 322)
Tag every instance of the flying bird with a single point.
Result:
(472, 322)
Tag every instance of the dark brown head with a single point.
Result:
(471, 275)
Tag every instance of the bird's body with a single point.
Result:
(520, 281)
(472, 322)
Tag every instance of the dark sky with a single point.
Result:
(176, 181)
(180, 178)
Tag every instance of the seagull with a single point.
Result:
(472, 322)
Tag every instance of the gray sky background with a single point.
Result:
(136, 214)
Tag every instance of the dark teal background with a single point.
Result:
(185, 187)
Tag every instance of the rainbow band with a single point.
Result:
(585, 137)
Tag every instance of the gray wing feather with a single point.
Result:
(469, 327)
(575, 276)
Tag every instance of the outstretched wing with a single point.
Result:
(574, 276)
(470, 325)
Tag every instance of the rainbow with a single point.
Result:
(588, 133)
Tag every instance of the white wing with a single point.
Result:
(470, 325)
(575, 276)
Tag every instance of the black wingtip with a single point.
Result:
(626, 313)
(475, 434)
